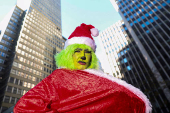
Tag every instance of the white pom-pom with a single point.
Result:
(94, 32)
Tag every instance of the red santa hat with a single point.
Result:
(83, 35)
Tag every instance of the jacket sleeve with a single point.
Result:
(38, 99)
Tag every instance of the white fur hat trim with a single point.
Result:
(81, 40)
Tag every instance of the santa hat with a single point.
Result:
(83, 35)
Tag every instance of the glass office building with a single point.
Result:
(147, 24)
(27, 47)
(8, 43)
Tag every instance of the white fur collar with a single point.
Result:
(123, 83)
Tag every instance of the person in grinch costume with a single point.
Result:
(79, 87)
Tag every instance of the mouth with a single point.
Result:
(82, 63)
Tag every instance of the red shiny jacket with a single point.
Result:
(82, 91)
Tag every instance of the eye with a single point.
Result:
(76, 51)
(87, 51)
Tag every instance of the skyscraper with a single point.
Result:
(28, 44)
(114, 39)
(147, 21)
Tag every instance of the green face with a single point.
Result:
(81, 58)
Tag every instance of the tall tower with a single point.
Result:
(30, 53)
(113, 40)
(147, 21)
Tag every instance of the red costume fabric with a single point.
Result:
(82, 91)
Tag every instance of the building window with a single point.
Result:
(150, 4)
(143, 17)
(131, 24)
(24, 92)
(17, 99)
(9, 89)
(131, 9)
(147, 23)
(135, 14)
(32, 85)
(128, 67)
(13, 71)
(142, 3)
(151, 20)
(14, 90)
(29, 77)
(12, 100)
(150, 12)
(25, 84)
(146, 7)
(146, 14)
(159, 7)
(125, 28)
(147, 31)
(7, 98)
(125, 60)
(139, 19)
(15, 64)
(143, 25)
(1, 61)
(1, 68)
(155, 9)
(118, 54)
(131, 16)
(122, 53)
(134, 7)
(21, 82)
(117, 72)
(3, 54)
(19, 91)
(29, 85)
(168, 1)
(125, 51)
(155, 17)
(11, 79)
(16, 81)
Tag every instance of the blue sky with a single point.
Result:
(5, 7)
(99, 13)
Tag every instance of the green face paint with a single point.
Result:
(64, 59)
(81, 58)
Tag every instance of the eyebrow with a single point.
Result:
(79, 49)
(86, 50)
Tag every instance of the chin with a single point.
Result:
(82, 68)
